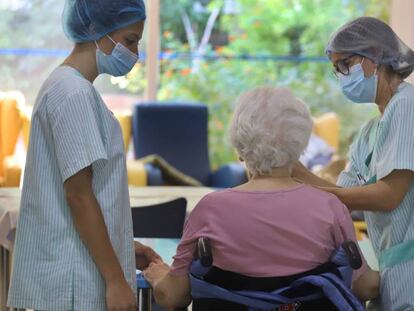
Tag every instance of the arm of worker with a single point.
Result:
(304, 175)
(169, 290)
(383, 196)
(90, 224)
(394, 163)
(144, 255)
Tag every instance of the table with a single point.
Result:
(139, 196)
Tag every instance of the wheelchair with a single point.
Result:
(327, 287)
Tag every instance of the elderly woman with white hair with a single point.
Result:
(272, 225)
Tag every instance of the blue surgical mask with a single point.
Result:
(357, 87)
(119, 63)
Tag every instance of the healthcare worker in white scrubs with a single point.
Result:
(371, 63)
(74, 246)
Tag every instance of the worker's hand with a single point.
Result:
(144, 255)
(299, 171)
(120, 297)
(155, 272)
(332, 190)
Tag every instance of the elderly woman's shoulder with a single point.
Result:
(326, 203)
(319, 194)
(208, 201)
(216, 195)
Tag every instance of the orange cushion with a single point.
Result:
(124, 119)
(13, 173)
(137, 174)
(327, 128)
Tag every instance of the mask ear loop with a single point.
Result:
(111, 40)
(376, 67)
(97, 46)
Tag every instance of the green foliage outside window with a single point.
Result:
(260, 27)
(255, 27)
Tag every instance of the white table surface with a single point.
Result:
(139, 196)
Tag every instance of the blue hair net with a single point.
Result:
(372, 38)
(89, 20)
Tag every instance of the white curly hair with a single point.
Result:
(270, 129)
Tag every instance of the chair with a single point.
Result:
(361, 229)
(164, 220)
(327, 127)
(11, 123)
(178, 132)
(139, 174)
(326, 287)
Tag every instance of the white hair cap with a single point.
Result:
(374, 39)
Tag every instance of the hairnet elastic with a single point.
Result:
(374, 39)
(89, 20)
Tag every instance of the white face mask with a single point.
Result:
(119, 63)
(357, 87)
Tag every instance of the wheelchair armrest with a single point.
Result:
(352, 252)
(204, 252)
(228, 176)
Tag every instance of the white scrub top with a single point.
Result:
(71, 129)
(390, 142)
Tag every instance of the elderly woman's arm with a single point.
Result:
(169, 290)
(366, 287)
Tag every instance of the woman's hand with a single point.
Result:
(367, 286)
(144, 255)
(168, 290)
(302, 175)
(333, 190)
(155, 272)
(299, 171)
(120, 297)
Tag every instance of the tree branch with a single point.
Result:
(208, 30)
(191, 38)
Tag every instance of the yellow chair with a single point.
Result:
(26, 114)
(10, 127)
(15, 119)
(137, 174)
(124, 119)
(327, 127)
(360, 229)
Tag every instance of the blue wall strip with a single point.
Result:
(170, 56)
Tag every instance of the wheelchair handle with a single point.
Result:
(204, 252)
(352, 252)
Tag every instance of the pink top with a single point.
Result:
(267, 233)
